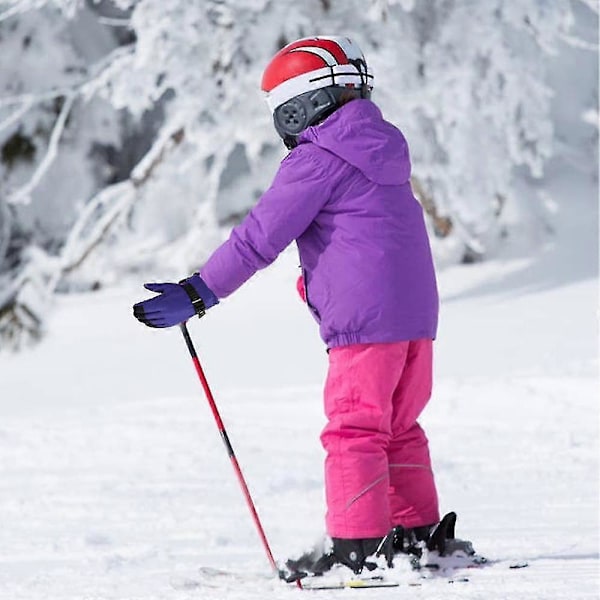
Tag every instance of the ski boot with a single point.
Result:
(351, 553)
(355, 553)
(431, 546)
(447, 552)
(408, 541)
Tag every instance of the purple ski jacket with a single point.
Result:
(344, 195)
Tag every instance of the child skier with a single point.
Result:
(343, 193)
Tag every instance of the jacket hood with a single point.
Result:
(359, 135)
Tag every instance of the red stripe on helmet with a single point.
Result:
(286, 64)
(329, 45)
(289, 65)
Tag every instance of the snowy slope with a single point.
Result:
(114, 483)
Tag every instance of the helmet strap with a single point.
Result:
(361, 66)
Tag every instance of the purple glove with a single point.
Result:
(177, 302)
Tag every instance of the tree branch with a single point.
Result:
(97, 71)
(5, 227)
(442, 225)
(23, 6)
(23, 195)
(19, 7)
(80, 244)
(89, 86)
(115, 22)
(144, 169)
(579, 43)
(15, 116)
(592, 5)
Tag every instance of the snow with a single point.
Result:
(115, 483)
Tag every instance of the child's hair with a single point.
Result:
(349, 94)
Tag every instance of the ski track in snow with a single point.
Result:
(115, 484)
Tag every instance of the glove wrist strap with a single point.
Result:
(195, 299)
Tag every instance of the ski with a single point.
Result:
(453, 576)
(317, 583)
(456, 573)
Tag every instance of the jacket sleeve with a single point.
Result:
(302, 186)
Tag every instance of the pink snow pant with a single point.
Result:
(377, 469)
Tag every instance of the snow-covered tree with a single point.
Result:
(51, 146)
(465, 80)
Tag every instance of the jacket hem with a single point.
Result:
(349, 338)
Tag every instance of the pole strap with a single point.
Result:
(197, 302)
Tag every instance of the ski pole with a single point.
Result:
(230, 452)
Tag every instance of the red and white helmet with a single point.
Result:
(313, 63)
(295, 74)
